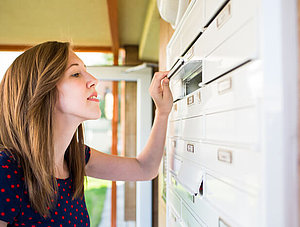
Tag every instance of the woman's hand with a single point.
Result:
(145, 166)
(161, 93)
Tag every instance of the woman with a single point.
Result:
(45, 95)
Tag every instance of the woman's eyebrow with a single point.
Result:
(75, 64)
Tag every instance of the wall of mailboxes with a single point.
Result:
(213, 165)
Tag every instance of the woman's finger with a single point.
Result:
(156, 81)
(167, 94)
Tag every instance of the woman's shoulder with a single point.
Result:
(87, 151)
(9, 166)
(7, 157)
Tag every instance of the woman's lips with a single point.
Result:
(93, 98)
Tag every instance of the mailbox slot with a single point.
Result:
(193, 77)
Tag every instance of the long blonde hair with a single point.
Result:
(28, 95)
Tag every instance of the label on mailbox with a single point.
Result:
(190, 148)
(190, 53)
(224, 85)
(225, 156)
(190, 100)
(224, 16)
(174, 143)
(199, 96)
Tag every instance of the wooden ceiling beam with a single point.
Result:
(114, 28)
(103, 49)
(14, 47)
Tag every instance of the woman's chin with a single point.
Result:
(96, 116)
(92, 115)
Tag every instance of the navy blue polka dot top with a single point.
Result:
(15, 207)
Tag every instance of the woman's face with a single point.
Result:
(77, 94)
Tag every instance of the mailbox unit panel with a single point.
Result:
(216, 143)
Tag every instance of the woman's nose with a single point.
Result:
(92, 81)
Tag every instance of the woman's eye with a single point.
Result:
(75, 75)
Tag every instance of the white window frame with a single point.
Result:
(144, 123)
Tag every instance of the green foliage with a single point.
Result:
(109, 59)
(102, 107)
(95, 199)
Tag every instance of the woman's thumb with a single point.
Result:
(166, 88)
(166, 82)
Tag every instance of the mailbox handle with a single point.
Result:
(175, 68)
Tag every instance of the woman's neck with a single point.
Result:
(63, 130)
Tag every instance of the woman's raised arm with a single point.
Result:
(145, 165)
(3, 224)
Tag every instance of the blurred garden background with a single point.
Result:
(95, 194)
